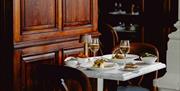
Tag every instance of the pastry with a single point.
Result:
(130, 65)
(99, 63)
(118, 56)
(81, 55)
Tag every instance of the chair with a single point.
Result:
(136, 48)
(54, 78)
(139, 49)
(109, 38)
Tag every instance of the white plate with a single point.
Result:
(129, 69)
(129, 58)
(107, 66)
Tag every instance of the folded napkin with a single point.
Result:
(86, 64)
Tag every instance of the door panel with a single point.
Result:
(33, 17)
(77, 13)
(41, 20)
(38, 15)
(30, 63)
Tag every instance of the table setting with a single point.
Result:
(120, 65)
(107, 62)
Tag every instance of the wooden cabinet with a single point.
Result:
(24, 65)
(43, 19)
(42, 29)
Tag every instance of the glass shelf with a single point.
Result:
(119, 13)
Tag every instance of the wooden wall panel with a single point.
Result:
(30, 63)
(76, 12)
(38, 14)
(43, 28)
(36, 17)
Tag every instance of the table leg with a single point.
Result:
(100, 84)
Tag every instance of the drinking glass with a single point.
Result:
(124, 47)
(94, 45)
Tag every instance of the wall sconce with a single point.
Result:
(86, 39)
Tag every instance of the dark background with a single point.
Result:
(6, 51)
(158, 20)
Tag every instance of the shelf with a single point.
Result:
(121, 13)
(115, 19)
(119, 29)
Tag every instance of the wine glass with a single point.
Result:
(124, 47)
(94, 45)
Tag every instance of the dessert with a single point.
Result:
(118, 56)
(82, 58)
(81, 55)
(99, 63)
(130, 65)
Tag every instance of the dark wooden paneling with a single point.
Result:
(50, 48)
(77, 12)
(42, 28)
(39, 20)
(38, 14)
(30, 63)
(23, 67)
(36, 17)
(72, 52)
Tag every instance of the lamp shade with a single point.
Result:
(86, 38)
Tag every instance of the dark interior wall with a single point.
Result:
(159, 23)
(6, 53)
(158, 20)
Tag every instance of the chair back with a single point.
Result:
(109, 38)
(140, 48)
(54, 78)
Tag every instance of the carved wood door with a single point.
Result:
(47, 19)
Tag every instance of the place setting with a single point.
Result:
(95, 63)
(121, 59)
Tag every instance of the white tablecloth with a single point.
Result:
(118, 74)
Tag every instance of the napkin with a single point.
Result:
(86, 64)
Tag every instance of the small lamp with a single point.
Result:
(86, 39)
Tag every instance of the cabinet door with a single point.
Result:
(36, 19)
(80, 14)
(30, 63)
(24, 67)
(47, 19)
